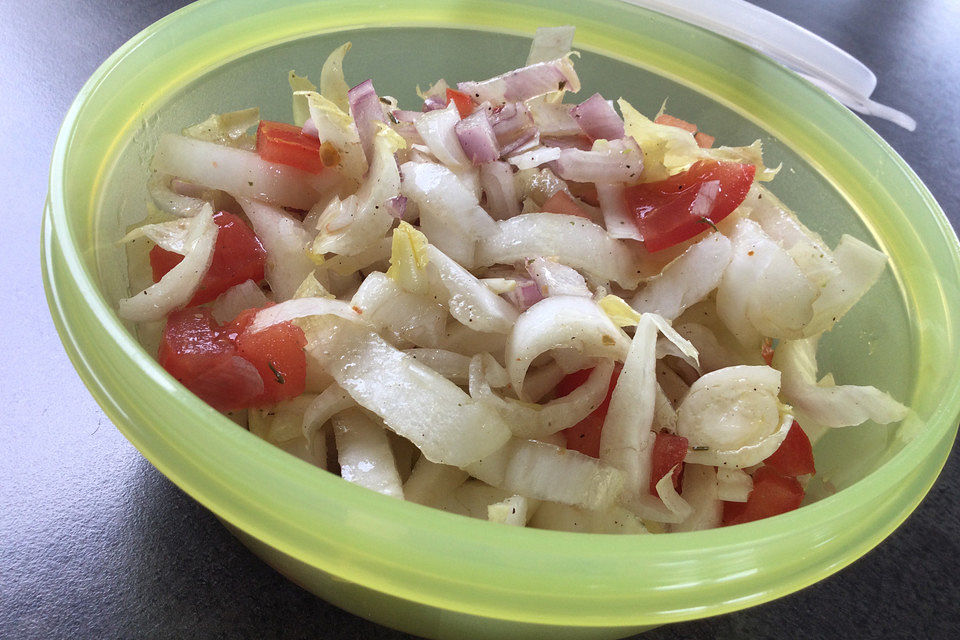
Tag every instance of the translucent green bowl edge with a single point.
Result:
(236, 505)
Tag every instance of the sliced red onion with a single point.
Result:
(513, 126)
(524, 83)
(397, 206)
(405, 116)
(366, 111)
(617, 218)
(496, 181)
(310, 129)
(598, 119)
(477, 138)
(525, 295)
(437, 130)
(435, 97)
(613, 161)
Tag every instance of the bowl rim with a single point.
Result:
(604, 564)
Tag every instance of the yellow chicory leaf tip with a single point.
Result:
(619, 311)
(408, 256)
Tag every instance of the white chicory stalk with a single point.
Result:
(561, 322)
(229, 304)
(242, 173)
(701, 492)
(537, 421)
(555, 279)
(828, 404)
(620, 222)
(574, 241)
(512, 511)
(160, 187)
(364, 453)
(450, 214)
(687, 280)
(547, 472)
(383, 304)
(337, 130)
(362, 219)
(437, 128)
(301, 308)
(763, 291)
(451, 365)
(429, 483)
(732, 416)
(413, 400)
(470, 301)
(733, 485)
(327, 404)
(178, 285)
(285, 241)
(227, 129)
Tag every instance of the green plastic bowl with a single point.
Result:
(440, 575)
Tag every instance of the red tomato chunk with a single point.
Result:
(276, 352)
(238, 256)
(462, 100)
(585, 435)
(229, 367)
(287, 144)
(668, 452)
(772, 495)
(794, 456)
(688, 203)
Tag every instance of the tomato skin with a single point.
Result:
(670, 211)
(287, 144)
(196, 352)
(585, 435)
(772, 495)
(794, 456)
(463, 101)
(238, 256)
(668, 452)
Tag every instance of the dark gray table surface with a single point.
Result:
(95, 543)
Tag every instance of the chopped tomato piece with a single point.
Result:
(794, 457)
(772, 495)
(668, 453)
(238, 256)
(463, 101)
(704, 141)
(561, 202)
(684, 205)
(670, 121)
(196, 352)
(276, 352)
(585, 435)
(287, 144)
